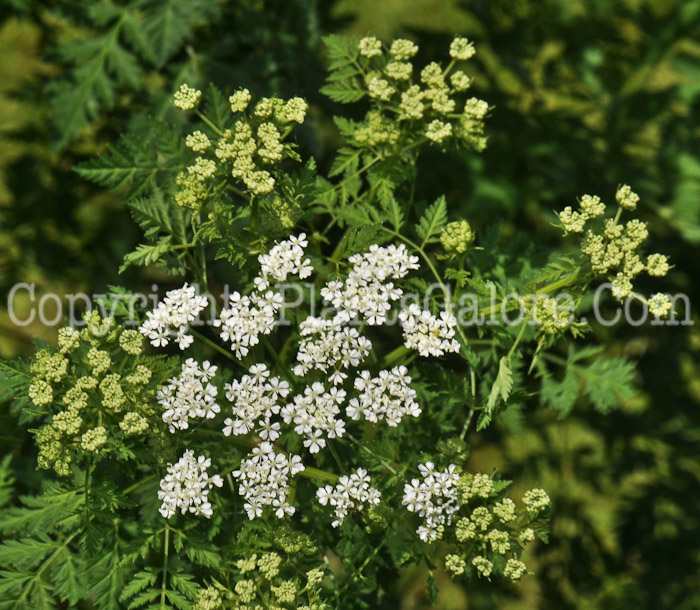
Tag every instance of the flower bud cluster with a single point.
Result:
(429, 99)
(267, 580)
(457, 237)
(488, 531)
(91, 410)
(613, 248)
(189, 395)
(351, 493)
(246, 151)
(186, 486)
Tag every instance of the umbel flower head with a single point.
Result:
(186, 486)
(428, 102)
(614, 248)
(320, 410)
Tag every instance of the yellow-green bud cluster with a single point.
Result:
(462, 49)
(86, 404)
(536, 500)
(68, 339)
(432, 98)
(208, 598)
(197, 141)
(613, 250)
(457, 237)
(455, 564)
(93, 439)
(191, 193)
(269, 581)
(113, 398)
(505, 510)
(131, 342)
(376, 129)
(515, 569)
(269, 565)
(370, 47)
(488, 532)
(186, 98)
(549, 316)
(483, 566)
(255, 141)
(133, 423)
(474, 486)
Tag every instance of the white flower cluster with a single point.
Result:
(187, 485)
(388, 396)
(328, 344)
(254, 400)
(428, 334)
(435, 498)
(264, 480)
(248, 317)
(286, 258)
(351, 492)
(367, 291)
(173, 315)
(189, 395)
(314, 415)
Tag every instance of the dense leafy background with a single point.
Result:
(586, 94)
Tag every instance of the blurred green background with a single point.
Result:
(586, 95)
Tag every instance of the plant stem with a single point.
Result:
(379, 458)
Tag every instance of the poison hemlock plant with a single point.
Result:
(300, 453)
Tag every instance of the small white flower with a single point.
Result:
(189, 395)
(186, 486)
(351, 493)
(264, 480)
(435, 499)
(173, 316)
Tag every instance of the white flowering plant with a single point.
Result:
(244, 450)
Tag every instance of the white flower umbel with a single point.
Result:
(434, 498)
(172, 317)
(286, 258)
(187, 485)
(367, 290)
(246, 318)
(350, 493)
(428, 334)
(329, 344)
(388, 396)
(254, 400)
(264, 480)
(189, 395)
(315, 415)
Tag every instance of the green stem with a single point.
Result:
(165, 565)
(278, 361)
(208, 122)
(138, 484)
(379, 458)
(517, 339)
(215, 346)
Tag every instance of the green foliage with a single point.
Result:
(612, 86)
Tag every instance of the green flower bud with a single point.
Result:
(457, 237)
